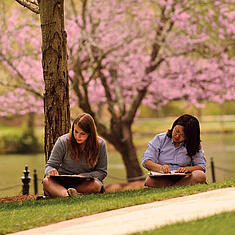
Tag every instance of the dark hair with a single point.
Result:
(191, 132)
(91, 150)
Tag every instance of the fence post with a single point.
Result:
(213, 170)
(25, 179)
(35, 180)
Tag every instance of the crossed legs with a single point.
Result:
(197, 176)
(53, 189)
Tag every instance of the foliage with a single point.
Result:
(163, 52)
(19, 142)
(16, 216)
(20, 60)
(194, 60)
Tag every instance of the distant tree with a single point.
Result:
(121, 57)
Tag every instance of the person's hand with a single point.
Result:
(53, 172)
(183, 170)
(165, 168)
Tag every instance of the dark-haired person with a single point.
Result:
(179, 150)
(80, 152)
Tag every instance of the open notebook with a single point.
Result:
(171, 173)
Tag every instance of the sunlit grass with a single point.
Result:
(217, 225)
(16, 216)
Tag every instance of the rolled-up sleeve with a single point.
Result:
(152, 152)
(199, 160)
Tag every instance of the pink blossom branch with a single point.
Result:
(81, 88)
(75, 13)
(23, 86)
(84, 9)
(107, 92)
(153, 65)
(3, 15)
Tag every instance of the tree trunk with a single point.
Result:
(129, 157)
(55, 72)
(122, 140)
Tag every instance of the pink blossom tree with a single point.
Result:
(121, 57)
(125, 57)
(20, 58)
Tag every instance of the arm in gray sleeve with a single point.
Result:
(100, 170)
(57, 154)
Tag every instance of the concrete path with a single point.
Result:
(144, 217)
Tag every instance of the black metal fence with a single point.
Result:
(26, 179)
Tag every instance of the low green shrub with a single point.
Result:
(19, 143)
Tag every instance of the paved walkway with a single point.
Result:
(144, 217)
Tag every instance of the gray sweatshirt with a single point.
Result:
(61, 160)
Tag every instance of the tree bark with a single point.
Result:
(130, 160)
(55, 72)
(121, 138)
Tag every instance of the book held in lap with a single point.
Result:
(171, 173)
(70, 180)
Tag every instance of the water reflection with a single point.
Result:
(220, 147)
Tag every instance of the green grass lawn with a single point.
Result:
(17, 216)
(221, 224)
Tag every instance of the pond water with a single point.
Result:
(220, 147)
